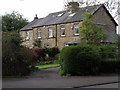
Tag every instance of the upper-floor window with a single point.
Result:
(50, 32)
(60, 14)
(62, 31)
(76, 29)
(27, 35)
(71, 14)
(38, 33)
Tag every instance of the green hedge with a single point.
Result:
(79, 60)
(88, 60)
(107, 51)
(109, 67)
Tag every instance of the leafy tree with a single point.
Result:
(14, 60)
(13, 21)
(90, 32)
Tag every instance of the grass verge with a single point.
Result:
(47, 66)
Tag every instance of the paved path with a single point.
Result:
(49, 78)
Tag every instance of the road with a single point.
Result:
(49, 78)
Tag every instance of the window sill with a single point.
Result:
(50, 36)
(39, 37)
(62, 35)
(76, 34)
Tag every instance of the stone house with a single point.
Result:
(61, 28)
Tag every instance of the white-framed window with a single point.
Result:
(59, 15)
(76, 29)
(38, 33)
(50, 32)
(62, 31)
(27, 35)
(71, 14)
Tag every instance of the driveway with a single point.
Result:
(49, 78)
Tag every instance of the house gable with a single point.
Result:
(68, 20)
(104, 18)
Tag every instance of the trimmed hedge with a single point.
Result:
(107, 51)
(88, 60)
(79, 60)
(109, 67)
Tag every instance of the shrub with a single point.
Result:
(79, 60)
(35, 54)
(89, 60)
(118, 43)
(109, 67)
(14, 60)
(52, 52)
(108, 51)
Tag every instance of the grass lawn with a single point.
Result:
(47, 66)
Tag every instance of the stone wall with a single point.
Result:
(57, 40)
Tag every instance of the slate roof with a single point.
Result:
(31, 24)
(54, 18)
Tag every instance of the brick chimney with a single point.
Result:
(36, 17)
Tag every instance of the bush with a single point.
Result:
(108, 51)
(89, 60)
(35, 54)
(109, 67)
(52, 52)
(79, 60)
(14, 60)
(118, 43)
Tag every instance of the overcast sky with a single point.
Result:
(31, 7)
(28, 8)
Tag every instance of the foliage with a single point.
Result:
(79, 60)
(14, 61)
(13, 21)
(109, 66)
(39, 54)
(87, 59)
(108, 51)
(90, 32)
(35, 54)
(119, 48)
(37, 43)
(52, 52)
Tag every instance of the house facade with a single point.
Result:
(61, 28)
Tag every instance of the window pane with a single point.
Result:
(50, 33)
(27, 36)
(76, 27)
(62, 31)
(38, 33)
